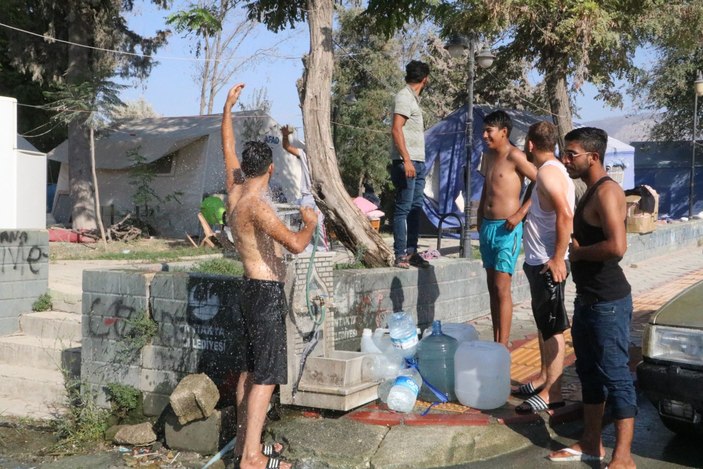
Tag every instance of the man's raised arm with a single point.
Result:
(232, 169)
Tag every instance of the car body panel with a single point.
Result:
(684, 310)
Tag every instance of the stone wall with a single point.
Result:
(451, 290)
(194, 312)
(24, 274)
(194, 317)
(454, 290)
(665, 238)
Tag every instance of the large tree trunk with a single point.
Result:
(350, 225)
(79, 173)
(560, 105)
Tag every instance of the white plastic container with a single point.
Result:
(382, 338)
(367, 343)
(482, 374)
(403, 331)
(462, 332)
(403, 394)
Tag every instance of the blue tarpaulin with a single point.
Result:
(445, 157)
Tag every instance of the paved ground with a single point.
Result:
(455, 434)
(375, 437)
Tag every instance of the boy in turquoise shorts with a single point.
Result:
(500, 217)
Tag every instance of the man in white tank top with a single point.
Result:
(546, 238)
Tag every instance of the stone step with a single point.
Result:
(37, 352)
(41, 387)
(57, 325)
(67, 302)
(18, 407)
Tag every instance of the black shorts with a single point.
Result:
(547, 301)
(263, 305)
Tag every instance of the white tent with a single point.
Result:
(185, 153)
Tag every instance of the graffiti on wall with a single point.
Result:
(17, 254)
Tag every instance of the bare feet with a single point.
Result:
(262, 462)
(622, 463)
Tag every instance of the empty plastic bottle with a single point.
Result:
(382, 338)
(403, 394)
(379, 366)
(403, 331)
(384, 388)
(435, 360)
(482, 374)
(367, 343)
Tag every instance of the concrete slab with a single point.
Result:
(52, 325)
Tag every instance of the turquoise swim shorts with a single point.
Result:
(499, 247)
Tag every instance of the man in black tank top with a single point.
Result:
(603, 305)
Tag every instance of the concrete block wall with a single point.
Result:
(451, 290)
(194, 315)
(24, 274)
(664, 238)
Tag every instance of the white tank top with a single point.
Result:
(540, 231)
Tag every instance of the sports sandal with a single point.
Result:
(270, 451)
(526, 390)
(536, 404)
(401, 262)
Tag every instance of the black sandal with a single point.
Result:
(536, 404)
(269, 450)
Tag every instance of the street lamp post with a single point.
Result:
(698, 89)
(456, 45)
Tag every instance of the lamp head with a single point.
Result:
(485, 58)
(698, 85)
(456, 45)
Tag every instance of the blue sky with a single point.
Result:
(172, 90)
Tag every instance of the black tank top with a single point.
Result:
(603, 280)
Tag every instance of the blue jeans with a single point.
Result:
(408, 204)
(601, 335)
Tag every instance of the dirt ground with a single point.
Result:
(147, 248)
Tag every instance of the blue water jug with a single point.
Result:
(435, 360)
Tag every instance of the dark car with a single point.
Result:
(671, 373)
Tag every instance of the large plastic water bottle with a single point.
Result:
(482, 374)
(462, 332)
(403, 394)
(435, 360)
(403, 331)
(367, 343)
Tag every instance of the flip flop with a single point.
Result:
(269, 450)
(574, 455)
(526, 390)
(536, 404)
(273, 463)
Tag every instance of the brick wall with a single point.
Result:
(24, 274)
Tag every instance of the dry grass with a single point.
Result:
(151, 249)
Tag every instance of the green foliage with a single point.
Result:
(357, 263)
(219, 267)
(203, 21)
(367, 69)
(84, 423)
(140, 330)
(678, 57)
(145, 197)
(43, 303)
(277, 14)
(124, 400)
